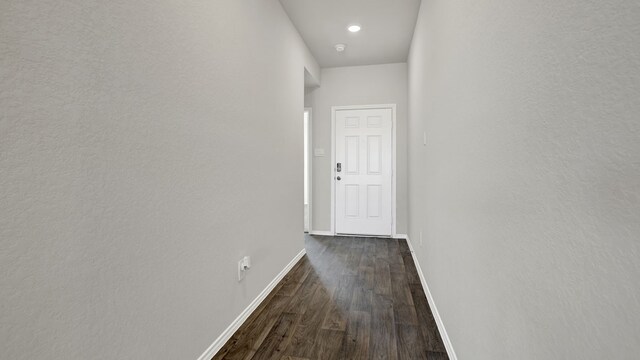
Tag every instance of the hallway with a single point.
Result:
(348, 298)
(156, 170)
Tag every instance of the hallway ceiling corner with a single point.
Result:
(387, 29)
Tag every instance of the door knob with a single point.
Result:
(338, 178)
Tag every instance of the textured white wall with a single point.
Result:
(144, 147)
(356, 85)
(528, 192)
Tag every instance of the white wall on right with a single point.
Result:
(528, 189)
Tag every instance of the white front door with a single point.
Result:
(363, 171)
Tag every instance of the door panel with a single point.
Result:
(373, 201)
(352, 154)
(363, 190)
(374, 155)
(352, 203)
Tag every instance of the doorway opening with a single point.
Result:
(307, 169)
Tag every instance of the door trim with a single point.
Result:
(393, 160)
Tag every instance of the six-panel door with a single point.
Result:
(363, 182)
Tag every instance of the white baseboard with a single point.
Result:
(432, 304)
(321, 233)
(235, 325)
(329, 233)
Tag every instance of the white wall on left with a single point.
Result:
(137, 144)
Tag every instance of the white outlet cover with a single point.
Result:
(241, 271)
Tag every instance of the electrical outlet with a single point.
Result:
(241, 271)
(420, 238)
(243, 266)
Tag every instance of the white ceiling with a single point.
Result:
(387, 29)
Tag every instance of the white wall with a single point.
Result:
(143, 149)
(528, 191)
(356, 85)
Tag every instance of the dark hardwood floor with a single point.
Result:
(348, 298)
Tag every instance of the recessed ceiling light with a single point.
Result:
(340, 47)
(354, 28)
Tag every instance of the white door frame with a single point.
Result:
(393, 161)
(310, 162)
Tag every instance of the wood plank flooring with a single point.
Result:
(348, 298)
